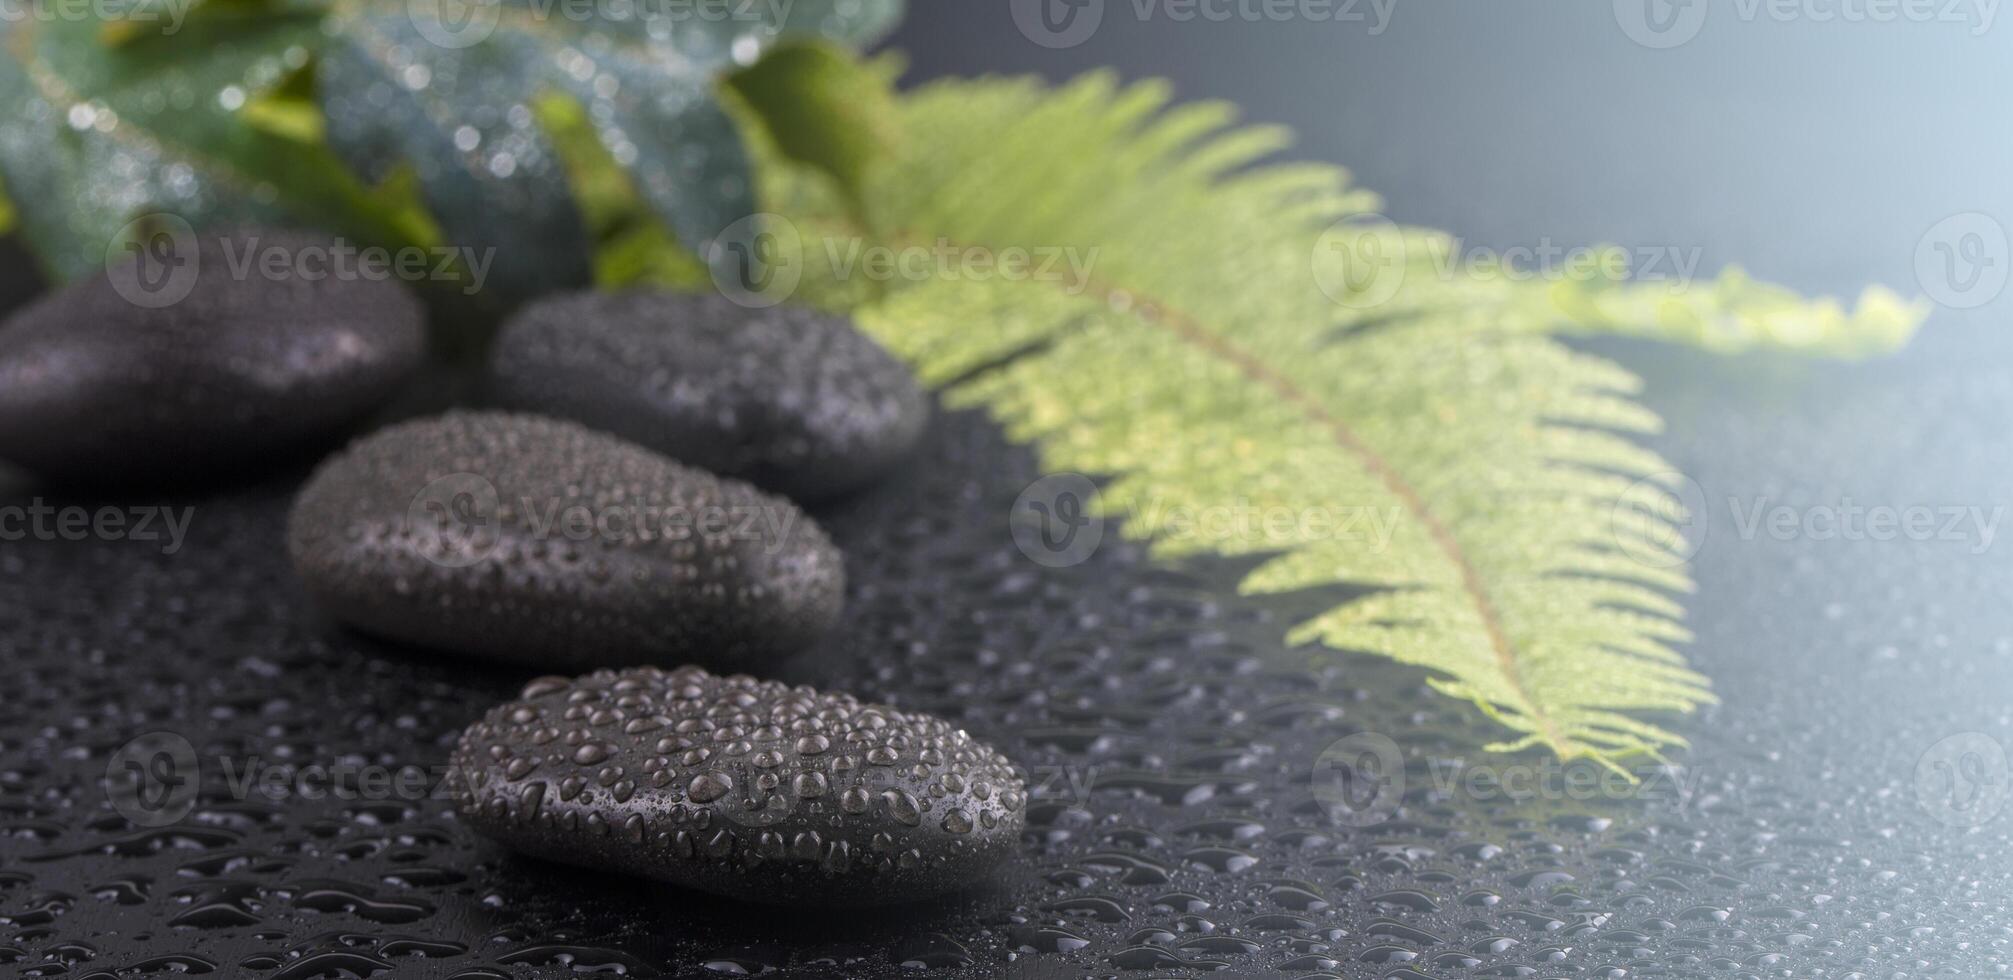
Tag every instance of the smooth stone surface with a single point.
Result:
(745, 788)
(535, 540)
(95, 385)
(791, 399)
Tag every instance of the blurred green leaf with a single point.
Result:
(453, 85)
(106, 134)
(392, 121)
(824, 108)
(1734, 313)
(632, 245)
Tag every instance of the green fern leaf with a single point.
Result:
(1735, 313)
(1221, 357)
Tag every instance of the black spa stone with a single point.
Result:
(791, 399)
(535, 540)
(750, 789)
(211, 357)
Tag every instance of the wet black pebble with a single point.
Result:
(539, 541)
(749, 789)
(791, 399)
(218, 358)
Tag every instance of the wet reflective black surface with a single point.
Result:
(1170, 736)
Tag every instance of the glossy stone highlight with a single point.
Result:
(222, 359)
(541, 542)
(750, 789)
(788, 398)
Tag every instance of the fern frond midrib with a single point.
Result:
(1189, 330)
